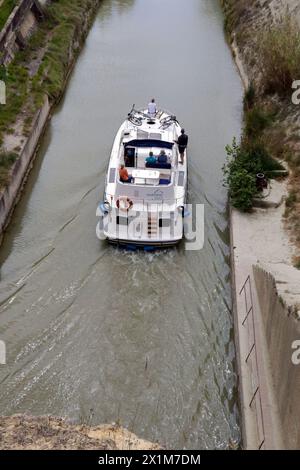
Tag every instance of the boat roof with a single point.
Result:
(146, 134)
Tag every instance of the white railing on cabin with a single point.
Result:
(146, 203)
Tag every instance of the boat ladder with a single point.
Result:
(152, 225)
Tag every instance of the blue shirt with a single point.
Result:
(151, 159)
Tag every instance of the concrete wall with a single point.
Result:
(20, 169)
(18, 27)
(281, 330)
(261, 425)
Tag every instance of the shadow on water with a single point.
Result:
(98, 334)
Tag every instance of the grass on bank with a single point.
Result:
(5, 10)
(279, 51)
(6, 160)
(234, 10)
(26, 86)
(277, 47)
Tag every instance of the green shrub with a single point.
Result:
(239, 177)
(242, 189)
(243, 163)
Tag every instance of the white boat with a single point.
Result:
(148, 211)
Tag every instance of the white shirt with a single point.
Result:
(152, 109)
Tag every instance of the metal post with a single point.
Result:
(245, 319)
(261, 444)
(250, 404)
(250, 353)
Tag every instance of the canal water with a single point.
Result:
(100, 335)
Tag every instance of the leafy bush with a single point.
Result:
(239, 177)
(242, 189)
(280, 56)
(243, 163)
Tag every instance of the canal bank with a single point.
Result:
(33, 29)
(145, 340)
(264, 253)
(23, 432)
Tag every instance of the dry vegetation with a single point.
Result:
(272, 59)
(279, 49)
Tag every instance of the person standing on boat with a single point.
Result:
(182, 143)
(152, 109)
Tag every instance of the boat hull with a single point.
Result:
(155, 193)
(143, 244)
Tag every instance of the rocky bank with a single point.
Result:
(23, 432)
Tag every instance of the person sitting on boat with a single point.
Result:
(182, 144)
(124, 177)
(152, 109)
(162, 158)
(151, 158)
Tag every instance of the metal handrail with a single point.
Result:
(146, 202)
(256, 393)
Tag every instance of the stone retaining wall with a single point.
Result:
(17, 28)
(19, 172)
(20, 169)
